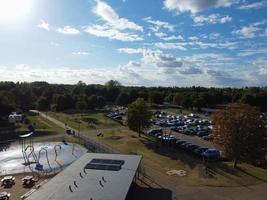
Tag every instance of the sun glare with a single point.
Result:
(14, 9)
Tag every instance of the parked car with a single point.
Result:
(212, 154)
(202, 133)
(199, 151)
(207, 137)
(192, 147)
(179, 143)
(154, 131)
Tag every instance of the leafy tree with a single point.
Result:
(63, 102)
(156, 97)
(239, 132)
(6, 106)
(113, 90)
(123, 99)
(43, 104)
(112, 84)
(101, 102)
(198, 102)
(81, 105)
(178, 98)
(187, 102)
(92, 102)
(138, 115)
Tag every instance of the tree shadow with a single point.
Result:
(249, 174)
(145, 193)
(169, 151)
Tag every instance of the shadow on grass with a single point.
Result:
(171, 152)
(145, 193)
(249, 174)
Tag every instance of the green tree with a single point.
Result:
(101, 102)
(113, 90)
(239, 131)
(81, 105)
(156, 97)
(43, 104)
(123, 99)
(178, 98)
(138, 115)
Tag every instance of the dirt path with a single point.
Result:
(181, 191)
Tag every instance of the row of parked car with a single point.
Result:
(201, 152)
(186, 124)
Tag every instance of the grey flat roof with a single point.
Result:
(115, 187)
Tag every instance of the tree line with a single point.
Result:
(22, 96)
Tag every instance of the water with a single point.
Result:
(11, 160)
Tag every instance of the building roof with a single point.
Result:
(105, 183)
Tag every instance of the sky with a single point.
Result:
(210, 43)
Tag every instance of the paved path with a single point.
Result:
(181, 191)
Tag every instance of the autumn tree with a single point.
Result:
(138, 115)
(239, 132)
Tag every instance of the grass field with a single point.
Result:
(85, 122)
(162, 158)
(40, 123)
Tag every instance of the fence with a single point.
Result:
(95, 146)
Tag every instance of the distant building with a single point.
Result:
(94, 176)
(15, 118)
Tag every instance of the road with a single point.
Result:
(181, 191)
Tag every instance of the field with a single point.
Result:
(40, 124)
(160, 158)
(85, 122)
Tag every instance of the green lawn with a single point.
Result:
(85, 121)
(161, 158)
(41, 124)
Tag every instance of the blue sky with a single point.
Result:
(137, 42)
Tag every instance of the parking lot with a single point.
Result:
(189, 133)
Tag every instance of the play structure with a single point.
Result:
(45, 157)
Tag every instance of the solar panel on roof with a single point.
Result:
(105, 164)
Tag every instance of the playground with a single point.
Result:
(46, 157)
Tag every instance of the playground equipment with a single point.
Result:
(28, 151)
(55, 148)
(27, 143)
(39, 167)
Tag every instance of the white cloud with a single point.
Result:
(252, 52)
(115, 27)
(67, 30)
(246, 31)
(225, 78)
(131, 64)
(22, 67)
(131, 50)
(195, 43)
(161, 45)
(114, 34)
(80, 53)
(254, 5)
(157, 25)
(252, 30)
(44, 25)
(211, 19)
(109, 15)
(195, 6)
(161, 60)
(173, 37)
(191, 71)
